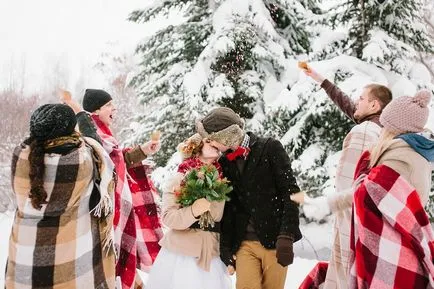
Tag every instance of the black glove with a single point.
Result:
(284, 251)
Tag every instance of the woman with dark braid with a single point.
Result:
(62, 231)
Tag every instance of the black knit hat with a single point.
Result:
(95, 98)
(51, 121)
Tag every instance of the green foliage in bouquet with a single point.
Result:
(203, 182)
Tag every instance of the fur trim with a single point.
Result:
(231, 136)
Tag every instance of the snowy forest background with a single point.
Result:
(242, 54)
(167, 62)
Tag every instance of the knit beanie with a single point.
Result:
(95, 98)
(407, 114)
(222, 125)
(51, 121)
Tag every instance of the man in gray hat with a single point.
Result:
(260, 222)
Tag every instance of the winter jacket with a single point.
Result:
(181, 239)
(261, 192)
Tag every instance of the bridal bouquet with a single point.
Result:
(203, 182)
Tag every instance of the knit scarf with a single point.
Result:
(124, 220)
(111, 146)
(70, 140)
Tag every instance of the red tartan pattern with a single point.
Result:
(130, 233)
(391, 238)
(316, 277)
(148, 224)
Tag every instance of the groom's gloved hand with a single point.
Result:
(284, 251)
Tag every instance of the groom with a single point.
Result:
(260, 222)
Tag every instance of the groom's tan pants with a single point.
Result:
(257, 267)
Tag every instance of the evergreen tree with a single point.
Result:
(165, 58)
(386, 33)
(223, 53)
(311, 129)
(242, 54)
(252, 41)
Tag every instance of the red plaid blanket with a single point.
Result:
(392, 242)
(147, 220)
(316, 277)
(136, 225)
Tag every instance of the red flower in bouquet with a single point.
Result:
(203, 181)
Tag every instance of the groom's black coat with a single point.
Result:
(262, 191)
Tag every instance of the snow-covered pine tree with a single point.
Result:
(308, 123)
(385, 33)
(427, 59)
(116, 67)
(251, 43)
(310, 127)
(165, 58)
(222, 53)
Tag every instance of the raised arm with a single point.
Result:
(343, 101)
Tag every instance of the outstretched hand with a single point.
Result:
(298, 197)
(314, 75)
(151, 147)
(316, 208)
(310, 72)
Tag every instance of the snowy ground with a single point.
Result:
(314, 245)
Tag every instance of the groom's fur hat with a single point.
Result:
(222, 125)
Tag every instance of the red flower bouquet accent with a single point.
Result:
(203, 181)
